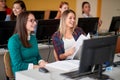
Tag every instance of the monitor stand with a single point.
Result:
(115, 64)
(117, 31)
(99, 75)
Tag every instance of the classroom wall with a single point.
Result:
(109, 9)
(44, 4)
(93, 4)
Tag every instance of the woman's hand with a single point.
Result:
(42, 63)
(99, 22)
(36, 66)
(67, 53)
(70, 51)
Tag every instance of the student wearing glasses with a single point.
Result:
(22, 45)
(66, 36)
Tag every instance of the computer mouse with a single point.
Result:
(44, 70)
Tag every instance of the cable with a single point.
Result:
(49, 49)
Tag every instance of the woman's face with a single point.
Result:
(70, 20)
(17, 9)
(2, 3)
(64, 7)
(86, 8)
(31, 23)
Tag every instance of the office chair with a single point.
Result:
(8, 69)
(55, 55)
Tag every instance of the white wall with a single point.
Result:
(93, 4)
(109, 9)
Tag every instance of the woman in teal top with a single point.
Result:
(23, 48)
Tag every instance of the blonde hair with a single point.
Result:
(62, 26)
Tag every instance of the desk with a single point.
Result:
(55, 75)
(36, 75)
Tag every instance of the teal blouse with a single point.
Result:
(21, 56)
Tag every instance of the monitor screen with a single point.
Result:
(115, 24)
(52, 14)
(38, 14)
(2, 15)
(46, 28)
(6, 31)
(96, 52)
(89, 25)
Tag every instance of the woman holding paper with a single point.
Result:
(66, 36)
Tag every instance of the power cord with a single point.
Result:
(49, 50)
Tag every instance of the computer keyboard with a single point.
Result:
(76, 74)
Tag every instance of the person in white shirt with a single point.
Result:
(86, 11)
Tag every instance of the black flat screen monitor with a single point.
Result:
(38, 14)
(2, 15)
(94, 56)
(52, 14)
(6, 31)
(89, 25)
(97, 52)
(46, 28)
(115, 24)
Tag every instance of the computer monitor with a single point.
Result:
(115, 24)
(2, 15)
(94, 56)
(45, 29)
(38, 14)
(89, 25)
(52, 14)
(97, 51)
(6, 31)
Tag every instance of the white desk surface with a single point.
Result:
(55, 75)
(36, 75)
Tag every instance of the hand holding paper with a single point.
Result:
(78, 45)
(70, 51)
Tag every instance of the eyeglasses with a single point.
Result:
(33, 20)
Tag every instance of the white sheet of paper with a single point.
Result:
(65, 65)
(78, 44)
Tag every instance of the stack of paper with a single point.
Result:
(65, 65)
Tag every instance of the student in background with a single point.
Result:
(66, 36)
(3, 7)
(22, 46)
(18, 7)
(86, 11)
(63, 6)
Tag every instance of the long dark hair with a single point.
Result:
(21, 28)
(84, 4)
(22, 4)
